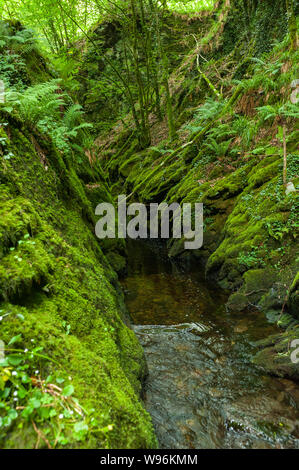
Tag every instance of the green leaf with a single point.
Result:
(14, 360)
(68, 391)
(13, 414)
(27, 412)
(44, 412)
(15, 339)
(35, 402)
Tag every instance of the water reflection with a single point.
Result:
(202, 390)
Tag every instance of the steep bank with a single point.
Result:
(231, 100)
(73, 367)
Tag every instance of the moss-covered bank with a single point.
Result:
(73, 370)
(227, 155)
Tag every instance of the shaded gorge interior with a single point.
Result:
(114, 344)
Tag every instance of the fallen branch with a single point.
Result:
(40, 436)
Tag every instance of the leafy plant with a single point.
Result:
(251, 259)
(218, 148)
(43, 106)
(209, 110)
(45, 403)
(282, 113)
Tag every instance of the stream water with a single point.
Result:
(202, 390)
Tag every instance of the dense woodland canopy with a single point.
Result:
(189, 101)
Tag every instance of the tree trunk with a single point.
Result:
(169, 110)
(284, 175)
(292, 24)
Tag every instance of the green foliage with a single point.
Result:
(209, 110)
(15, 46)
(263, 81)
(51, 19)
(268, 68)
(39, 102)
(57, 288)
(19, 41)
(205, 113)
(288, 110)
(43, 106)
(251, 259)
(218, 148)
(246, 129)
(190, 6)
(48, 403)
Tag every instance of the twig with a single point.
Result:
(40, 436)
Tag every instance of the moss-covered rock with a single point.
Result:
(293, 298)
(59, 290)
(275, 354)
(228, 159)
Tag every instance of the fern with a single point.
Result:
(41, 106)
(40, 102)
(272, 68)
(258, 81)
(222, 131)
(21, 41)
(219, 149)
(209, 110)
(285, 111)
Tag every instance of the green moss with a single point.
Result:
(293, 298)
(274, 354)
(54, 273)
(117, 261)
(263, 173)
(237, 302)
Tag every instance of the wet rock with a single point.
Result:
(240, 328)
(237, 302)
(275, 354)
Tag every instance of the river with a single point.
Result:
(202, 390)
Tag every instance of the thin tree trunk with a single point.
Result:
(170, 117)
(165, 82)
(292, 24)
(284, 177)
(154, 54)
(145, 138)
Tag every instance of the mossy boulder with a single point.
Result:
(275, 354)
(237, 302)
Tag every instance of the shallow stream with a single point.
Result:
(202, 389)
